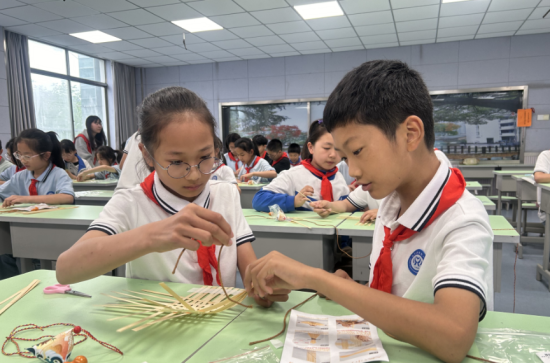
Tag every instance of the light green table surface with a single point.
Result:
(487, 203)
(351, 227)
(256, 187)
(81, 215)
(93, 182)
(320, 225)
(513, 172)
(188, 339)
(503, 230)
(473, 185)
(94, 194)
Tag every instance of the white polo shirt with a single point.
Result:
(443, 158)
(542, 165)
(361, 199)
(456, 250)
(4, 164)
(344, 170)
(131, 208)
(135, 169)
(262, 165)
(224, 173)
(234, 165)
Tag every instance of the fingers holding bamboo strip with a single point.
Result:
(221, 282)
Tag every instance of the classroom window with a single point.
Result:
(67, 88)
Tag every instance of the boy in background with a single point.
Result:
(280, 158)
(294, 151)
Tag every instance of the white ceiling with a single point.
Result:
(263, 28)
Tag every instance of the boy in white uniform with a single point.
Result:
(432, 274)
(542, 175)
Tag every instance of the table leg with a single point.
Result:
(362, 246)
(542, 270)
(26, 265)
(5, 239)
(499, 202)
(46, 265)
(518, 226)
(497, 266)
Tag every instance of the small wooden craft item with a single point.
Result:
(34, 209)
(159, 306)
(18, 295)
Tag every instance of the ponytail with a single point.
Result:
(316, 131)
(108, 153)
(42, 142)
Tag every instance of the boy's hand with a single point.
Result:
(190, 225)
(340, 273)
(279, 295)
(274, 272)
(301, 198)
(322, 208)
(368, 216)
(13, 200)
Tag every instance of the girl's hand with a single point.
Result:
(301, 198)
(275, 272)
(368, 216)
(190, 225)
(15, 199)
(82, 176)
(322, 208)
(352, 186)
(245, 177)
(279, 295)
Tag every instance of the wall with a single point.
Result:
(491, 62)
(5, 128)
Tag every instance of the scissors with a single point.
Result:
(63, 289)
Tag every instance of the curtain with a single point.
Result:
(22, 115)
(125, 101)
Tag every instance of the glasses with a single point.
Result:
(180, 169)
(18, 156)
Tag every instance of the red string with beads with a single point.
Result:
(78, 332)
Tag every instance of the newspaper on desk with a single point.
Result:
(331, 339)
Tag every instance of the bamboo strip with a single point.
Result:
(20, 294)
(176, 296)
(138, 322)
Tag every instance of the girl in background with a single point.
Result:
(254, 167)
(232, 161)
(16, 164)
(108, 166)
(74, 164)
(90, 139)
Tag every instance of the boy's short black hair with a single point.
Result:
(231, 138)
(67, 146)
(382, 93)
(260, 140)
(294, 148)
(275, 145)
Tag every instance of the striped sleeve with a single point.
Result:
(465, 283)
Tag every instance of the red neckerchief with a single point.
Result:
(234, 159)
(206, 255)
(32, 188)
(88, 145)
(383, 269)
(109, 173)
(326, 185)
(254, 163)
(285, 155)
(18, 169)
(264, 154)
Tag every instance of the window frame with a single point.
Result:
(70, 79)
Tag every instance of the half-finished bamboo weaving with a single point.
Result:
(160, 306)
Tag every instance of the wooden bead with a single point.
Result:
(79, 359)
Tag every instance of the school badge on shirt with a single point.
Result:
(415, 261)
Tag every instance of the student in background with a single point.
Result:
(223, 172)
(176, 206)
(294, 155)
(125, 147)
(108, 166)
(45, 179)
(542, 175)
(254, 167)
(232, 161)
(343, 168)
(90, 139)
(74, 164)
(4, 163)
(431, 276)
(16, 164)
(316, 179)
(358, 199)
(135, 170)
(261, 143)
(280, 159)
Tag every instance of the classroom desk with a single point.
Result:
(94, 185)
(487, 203)
(93, 197)
(362, 245)
(542, 270)
(313, 246)
(485, 170)
(45, 236)
(473, 186)
(526, 191)
(505, 183)
(247, 194)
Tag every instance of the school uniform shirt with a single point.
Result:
(107, 175)
(53, 180)
(443, 158)
(282, 164)
(4, 164)
(455, 250)
(284, 188)
(361, 199)
(266, 157)
(344, 170)
(233, 164)
(298, 163)
(135, 169)
(84, 148)
(76, 168)
(542, 165)
(132, 208)
(224, 173)
(9, 172)
(262, 165)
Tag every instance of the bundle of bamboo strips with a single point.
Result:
(159, 306)
(18, 295)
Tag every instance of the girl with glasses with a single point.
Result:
(45, 179)
(16, 166)
(177, 206)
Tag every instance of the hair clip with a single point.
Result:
(320, 121)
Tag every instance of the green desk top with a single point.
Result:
(513, 172)
(487, 203)
(95, 194)
(82, 215)
(543, 186)
(95, 182)
(351, 227)
(245, 186)
(473, 185)
(323, 226)
(166, 342)
(503, 230)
